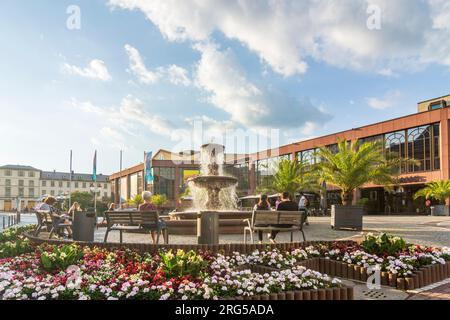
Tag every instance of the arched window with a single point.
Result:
(419, 148)
(395, 145)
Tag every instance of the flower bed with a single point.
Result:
(73, 272)
(401, 265)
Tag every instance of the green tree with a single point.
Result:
(438, 190)
(85, 199)
(293, 176)
(356, 164)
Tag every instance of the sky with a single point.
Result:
(140, 75)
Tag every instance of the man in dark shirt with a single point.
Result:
(286, 204)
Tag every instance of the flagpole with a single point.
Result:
(94, 177)
(70, 181)
(120, 181)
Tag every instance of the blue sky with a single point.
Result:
(138, 73)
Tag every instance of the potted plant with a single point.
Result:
(352, 166)
(135, 201)
(440, 191)
(159, 200)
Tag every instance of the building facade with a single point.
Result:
(58, 183)
(423, 136)
(22, 186)
(170, 173)
(19, 186)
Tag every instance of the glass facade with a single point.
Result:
(164, 181)
(266, 168)
(241, 172)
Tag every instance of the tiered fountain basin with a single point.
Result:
(230, 222)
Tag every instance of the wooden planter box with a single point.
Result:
(343, 293)
(347, 217)
(440, 210)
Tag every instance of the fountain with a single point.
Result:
(214, 200)
(211, 190)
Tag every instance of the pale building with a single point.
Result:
(58, 183)
(22, 186)
(19, 186)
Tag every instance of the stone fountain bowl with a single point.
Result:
(213, 182)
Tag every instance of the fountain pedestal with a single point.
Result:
(208, 227)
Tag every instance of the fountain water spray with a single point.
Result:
(212, 190)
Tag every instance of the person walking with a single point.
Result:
(303, 205)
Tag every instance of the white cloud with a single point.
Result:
(221, 77)
(389, 100)
(285, 34)
(95, 70)
(178, 75)
(174, 74)
(138, 68)
(131, 118)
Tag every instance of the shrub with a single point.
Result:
(383, 244)
(59, 258)
(14, 248)
(182, 263)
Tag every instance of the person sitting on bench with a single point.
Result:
(149, 206)
(286, 204)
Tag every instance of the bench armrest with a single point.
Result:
(248, 222)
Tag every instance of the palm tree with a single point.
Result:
(136, 200)
(356, 164)
(439, 190)
(293, 176)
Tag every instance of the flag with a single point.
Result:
(94, 169)
(148, 167)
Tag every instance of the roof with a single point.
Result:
(18, 167)
(53, 175)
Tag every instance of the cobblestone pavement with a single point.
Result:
(439, 293)
(415, 229)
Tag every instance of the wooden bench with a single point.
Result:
(135, 222)
(43, 222)
(267, 221)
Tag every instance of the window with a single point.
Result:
(437, 105)
(20, 183)
(265, 169)
(60, 184)
(31, 192)
(105, 186)
(52, 183)
(21, 192)
(8, 173)
(31, 183)
(21, 173)
(44, 183)
(105, 194)
(44, 192)
(395, 144)
(419, 148)
(8, 182)
(84, 184)
(164, 182)
(52, 192)
(31, 174)
(436, 147)
(241, 172)
(76, 184)
(7, 192)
